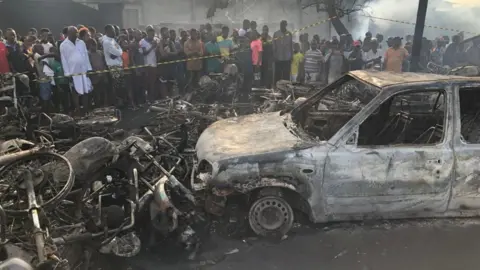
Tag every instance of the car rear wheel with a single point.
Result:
(271, 216)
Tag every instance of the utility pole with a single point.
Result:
(193, 6)
(418, 36)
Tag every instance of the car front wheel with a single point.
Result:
(271, 216)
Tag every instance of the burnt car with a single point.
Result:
(371, 145)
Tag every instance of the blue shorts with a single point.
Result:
(45, 91)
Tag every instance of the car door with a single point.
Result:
(466, 186)
(409, 177)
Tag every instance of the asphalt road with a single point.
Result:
(425, 245)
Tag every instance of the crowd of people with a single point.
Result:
(135, 67)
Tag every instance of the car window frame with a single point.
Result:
(458, 137)
(312, 100)
(352, 126)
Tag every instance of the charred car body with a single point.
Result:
(370, 145)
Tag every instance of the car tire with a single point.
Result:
(271, 216)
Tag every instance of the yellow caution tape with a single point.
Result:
(412, 23)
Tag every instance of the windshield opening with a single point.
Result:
(324, 113)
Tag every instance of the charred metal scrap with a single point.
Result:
(99, 194)
(71, 183)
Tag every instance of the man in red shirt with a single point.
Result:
(4, 66)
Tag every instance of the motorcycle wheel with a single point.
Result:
(54, 179)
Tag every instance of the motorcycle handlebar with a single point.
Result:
(88, 236)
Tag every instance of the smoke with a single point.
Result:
(440, 13)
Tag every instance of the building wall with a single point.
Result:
(22, 15)
(191, 13)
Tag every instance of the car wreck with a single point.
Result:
(371, 145)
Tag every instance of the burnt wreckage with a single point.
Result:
(370, 145)
(72, 187)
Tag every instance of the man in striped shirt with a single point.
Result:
(314, 63)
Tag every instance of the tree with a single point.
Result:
(216, 4)
(337, 9)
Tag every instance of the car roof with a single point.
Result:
(383, 79)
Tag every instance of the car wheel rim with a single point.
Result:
(271, 215)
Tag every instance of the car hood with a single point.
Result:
(246, 136)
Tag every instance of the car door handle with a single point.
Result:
(373, 153)
(435, 161)
(307, 171)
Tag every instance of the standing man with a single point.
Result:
(450, 57)
(183, 37)
(168, 53)
(373, 56)
(267, 58)
(336, 63)
(246, 25)
(33, 32)
(252, 33)
(194, 48)
(208, 34)
(304, 43)
(137, 59)
(314, 63)
(4, 66)
(282, 52)
(93, 31)
(116, 30)
(113, 58)
(395, 56)
(99, 81)
(44, 40)
(18, 60)
(224, 42)
(245, 65)
(179, 67)
(366, 41)
(64, 34)
(148, 45)
(43, 80)
(257, 51)
(84, 34)
(356, 57)
(75, 60)
(212, 49)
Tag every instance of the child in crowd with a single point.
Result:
(297, 63)
(99, 81)
(245, 65)
(123, 40)
(257, 50)
(45, 87)
(61, 90)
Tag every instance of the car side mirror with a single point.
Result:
(353, 140)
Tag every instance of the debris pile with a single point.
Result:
(74, 186)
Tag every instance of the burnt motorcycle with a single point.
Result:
(116, 186)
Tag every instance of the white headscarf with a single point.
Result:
(241, 32)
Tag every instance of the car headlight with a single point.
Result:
(202, 175)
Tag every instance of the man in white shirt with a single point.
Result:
(75, 60)
(148, 47)
(373, 55)
(44, 39)
(113, 58)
